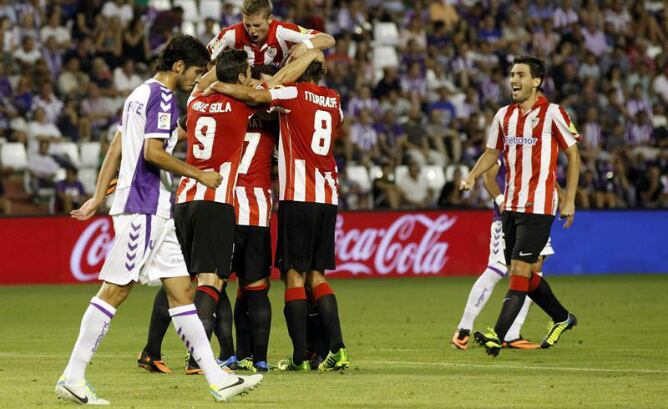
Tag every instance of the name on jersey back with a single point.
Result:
(327, 102)
(214, 108)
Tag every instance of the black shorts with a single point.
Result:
(252, 253)
(205, 230)
(526, 235)
(305, 236)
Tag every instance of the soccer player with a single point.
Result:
(530, 132)
(495, 271)
(146, 248)
(310, 118)
(266, 40)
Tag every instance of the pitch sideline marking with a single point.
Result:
(511, 366)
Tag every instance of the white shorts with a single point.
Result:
(145, 249)
(497, 245)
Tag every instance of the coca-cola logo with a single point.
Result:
(411, 244)
(91, 250)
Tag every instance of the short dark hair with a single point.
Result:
(230, 64)
(314, 73)
(536, 67)
(258, 70)
(185, 48)
(252, 7)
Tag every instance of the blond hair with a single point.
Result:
(252, 7)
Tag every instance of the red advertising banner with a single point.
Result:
(43, 250)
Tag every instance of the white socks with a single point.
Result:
(479, 295)
(191, 331)
(94, 326)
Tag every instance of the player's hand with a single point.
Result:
(567, 211)
(88, 209)
(467, 183)
(210, 179)
(296, 51)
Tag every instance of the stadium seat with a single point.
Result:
(435, 177)
(386, 34)
(61, 173)
(189, 28)
(13, 155)
(210, 8)
(68, 149)
(400, 172)
(160, 4)
(90, 154)
(450, 171)
(88, 177)
(385, 56)
(375, 172)
(359, 175)
(190, 12)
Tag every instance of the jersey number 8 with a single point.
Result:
(322, 135)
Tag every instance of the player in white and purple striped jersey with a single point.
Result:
(146, 248)
(494, 181)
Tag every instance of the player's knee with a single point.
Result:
(114, 294)
(520, 268)
(294, 279)
(256, 285)
(210, 279)
(315, 278)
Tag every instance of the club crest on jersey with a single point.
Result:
(534, 122)
(164, 120)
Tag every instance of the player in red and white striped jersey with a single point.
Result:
(530, 132)
(267, 41)
(310, 119)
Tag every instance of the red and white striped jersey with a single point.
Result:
(252, 199)
(530, 142)
(280, 38)
(309, 122)
(216, 129)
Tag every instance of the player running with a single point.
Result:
(146, 248)
(530, 132)
(495, 271)
(311, 116)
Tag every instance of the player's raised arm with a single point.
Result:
(110, 165)
(154, 152)
(294, 70)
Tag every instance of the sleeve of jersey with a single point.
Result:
(224, 40)
(159, 116)
(293, 33)
(564, 129)
(495, 134)
(283, 97)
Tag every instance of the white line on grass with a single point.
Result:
(510, 366)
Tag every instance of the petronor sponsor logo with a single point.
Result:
(518, 140)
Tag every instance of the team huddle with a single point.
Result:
(253, 92)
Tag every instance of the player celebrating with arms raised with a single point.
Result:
(530, 133)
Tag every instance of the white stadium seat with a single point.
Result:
(61, 174)
(190, 12)
(88, 177)
(386, 34)
(450, 171)
(359, 175)
(68, 149)
(13, 155)
(400, 173)
(385, 56)
(160, 4)
(435, 176)
(90, 154)
(375, 172)
(210, 8)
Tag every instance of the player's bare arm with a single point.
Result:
(110, 165)
(320, 41)
(486, 161)
(292, 71)
(155, 153)
(567, 208)
(491, 185)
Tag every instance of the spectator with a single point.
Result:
(53, 28)
(27, 54)
(125, 78)
(166, 22)
(594, 39)
(42, 168)
(70, 193)
(414, 188)
(391, 137)
(48, 102)
(364, 139)
(73, 82)
(98, 109)
(119, 9)
(135, 41)
(363, 101)
(386, 194)
(40, 129)
(451, 196)
(53, 57)
(652, 190)
(565, 16)
(109, 42)
(23, 96)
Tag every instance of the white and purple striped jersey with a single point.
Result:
(149, 112)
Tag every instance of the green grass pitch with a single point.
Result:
(397, 333)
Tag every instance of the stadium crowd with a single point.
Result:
(420, 82)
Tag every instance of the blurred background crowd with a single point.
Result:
(420, 82)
